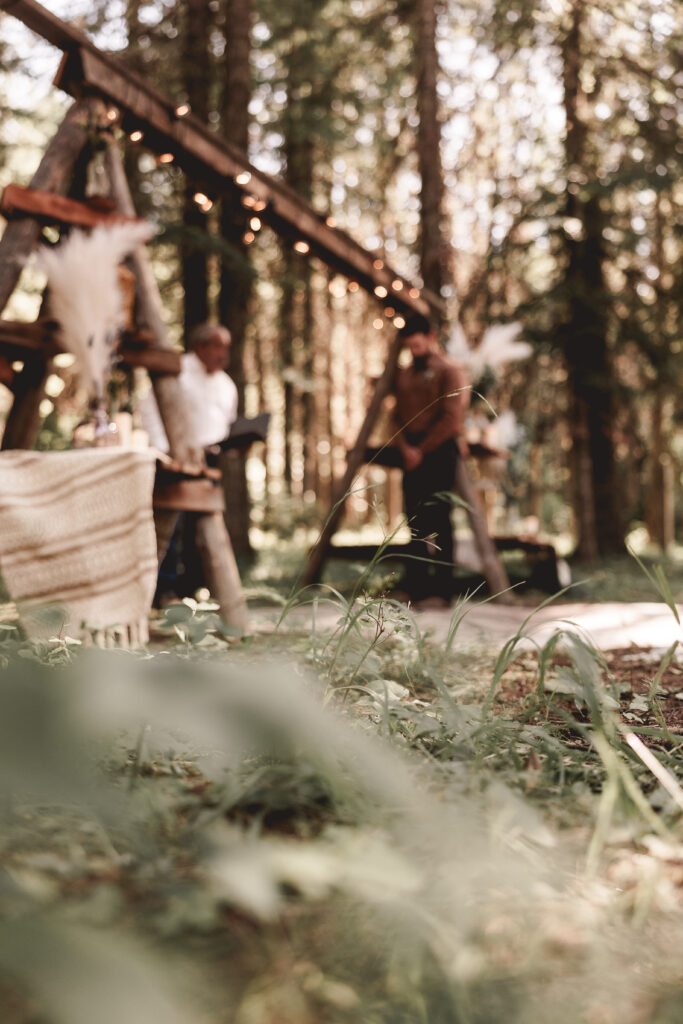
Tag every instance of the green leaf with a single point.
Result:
(177, 613)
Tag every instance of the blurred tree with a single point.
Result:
(434, 251)
(235, 275)
(196, 21)
(570, 235)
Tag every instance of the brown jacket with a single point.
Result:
(431, 402)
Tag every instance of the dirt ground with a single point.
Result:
(634, 671)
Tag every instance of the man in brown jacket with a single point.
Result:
(432, 395)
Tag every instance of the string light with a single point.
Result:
(112, 114)
(166, 158)
(54, 385)
(331, 222)
(202, 201)
(182, 110)
(64, 359)
(389, 311)
(337, 288)
(378, 323)
(259, 205)
(380, 291)
(353, 286)
(255, 224)
(248, 237)
(249, 202)
(399, 322)
(302, 247)
(377, 264)
(136, 136)
(397, 285)
(414, 293)
(243, 178)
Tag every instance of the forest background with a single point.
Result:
(423, 831)
(519, 159)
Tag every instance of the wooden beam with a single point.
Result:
(189, 496)
(492, 565)
(158, 361)
(44, 24)
(354, 461)
(203, 155)
(206, 157)
(52, 208)
(42, 340)
(26, 341)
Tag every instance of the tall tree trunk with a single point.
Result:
(660, 503)
(659, 509)
(312, 434)
(134, 60)
(434, 249)
(197, 78)
(296, 307)
(235, 283)
(287, 323)
(584, 334)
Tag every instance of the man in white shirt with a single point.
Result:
(211, 403)
(210, 394)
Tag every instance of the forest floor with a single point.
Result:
(353, 813)
(633, 637)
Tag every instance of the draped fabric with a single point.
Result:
(76, 531)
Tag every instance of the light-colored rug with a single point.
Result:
(76, 531)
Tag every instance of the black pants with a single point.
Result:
(181, 572)
(427, 495)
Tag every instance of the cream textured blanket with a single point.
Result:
(76, 530)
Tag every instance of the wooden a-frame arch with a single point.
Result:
(135, 107)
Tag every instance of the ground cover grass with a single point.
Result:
(345, 825)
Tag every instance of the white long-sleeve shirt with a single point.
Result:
(211, 401)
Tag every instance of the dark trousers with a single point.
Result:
(181, 572)
(427, 495)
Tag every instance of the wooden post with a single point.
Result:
(492, 566)
(213, 540)
(54, 174)
(149, 316)
(23, 419)
(354, 461)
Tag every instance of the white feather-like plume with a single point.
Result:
(85, 295)
(498, 346)
(506, 430)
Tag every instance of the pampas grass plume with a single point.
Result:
(497, 348)
(85, 296)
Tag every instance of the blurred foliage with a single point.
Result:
(339, 824)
